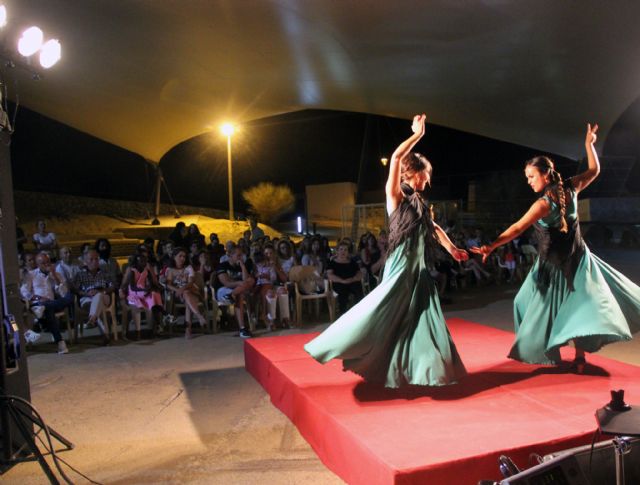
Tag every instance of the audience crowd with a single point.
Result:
(250, 275)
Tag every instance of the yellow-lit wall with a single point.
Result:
(325, 201)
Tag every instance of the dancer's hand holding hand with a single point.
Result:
(591, 134)
(418, 124)
(485, 251)
(459, 254)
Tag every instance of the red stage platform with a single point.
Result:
(449, 435)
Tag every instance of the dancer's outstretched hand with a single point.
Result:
(485, 251)
(591, 134)
(459, 254)
(418, 124)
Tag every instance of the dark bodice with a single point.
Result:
(412, 217)
(559, 251)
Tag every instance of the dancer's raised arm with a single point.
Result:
(582, 180)
(539, 209)
(392, 189)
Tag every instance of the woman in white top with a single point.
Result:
(43, 240)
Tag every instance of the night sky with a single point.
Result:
(296, 149)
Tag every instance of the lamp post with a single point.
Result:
(227, 130)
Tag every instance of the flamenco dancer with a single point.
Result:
(396, 335)
(570, 294)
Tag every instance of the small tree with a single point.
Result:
(269, 201)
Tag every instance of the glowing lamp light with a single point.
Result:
(50, 53)
(3, 16)
(384, 161)
(227, 129)
(299, 225)
(30, 42)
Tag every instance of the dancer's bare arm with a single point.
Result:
(538, 210)
(457, 253)
(392, 189)
(582, 181)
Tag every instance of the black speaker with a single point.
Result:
(14, 376)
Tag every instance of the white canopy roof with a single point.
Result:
(148, 74)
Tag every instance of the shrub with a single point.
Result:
(269, 201)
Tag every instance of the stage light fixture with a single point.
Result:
(3, 16)
(50, 53)
(31, 41)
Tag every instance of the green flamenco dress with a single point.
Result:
(396, 335)
(570, 294)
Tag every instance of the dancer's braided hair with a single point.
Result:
(555, 189)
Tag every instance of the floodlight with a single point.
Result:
(30, 42)
(227, 129)
(50, 53)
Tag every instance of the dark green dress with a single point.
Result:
(397, 335)
(570, 294)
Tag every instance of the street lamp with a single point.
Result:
(227, 130)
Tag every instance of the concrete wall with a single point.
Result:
(325, 201)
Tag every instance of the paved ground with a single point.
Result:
(176, 411)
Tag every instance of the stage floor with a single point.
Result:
(449, 435)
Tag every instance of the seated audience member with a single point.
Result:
(44, 287)
(244, 246)
(83, 252)
(345, 275)
(44, 240)
(141, 289)
(180, 279)
(270, 281)
(165, 259)
(473, 266)
(246, 235)
(66, 265)
(235, 283)
(315, 257)
(201, 263)
(286, 255)
(475, 239)
(350, 248)
(229, 248)
(371, 259)
(216, 250)
(303, 248)
(150, 244)
(194, 250)
(256, 232)
(194, 236)
(28, 264)
(178, 235)
(95, 289)
(108, 264)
